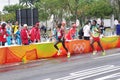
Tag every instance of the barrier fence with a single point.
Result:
(13, 54)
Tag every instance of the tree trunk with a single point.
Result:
(76, 16)
(119, 8)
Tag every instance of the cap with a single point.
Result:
(24, 25)
(3, 23)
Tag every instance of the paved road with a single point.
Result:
(78, 67)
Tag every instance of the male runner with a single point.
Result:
(61, 38)
(95, 37)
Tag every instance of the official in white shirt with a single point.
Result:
(86, 31)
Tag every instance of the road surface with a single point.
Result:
(78, 67)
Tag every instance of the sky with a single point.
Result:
(6, 2)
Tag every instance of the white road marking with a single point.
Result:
(92, 69)
(109, 76)
(117, 68)
(107, 56)
(47, 79)
(88, 72)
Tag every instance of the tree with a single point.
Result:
(9, 12)
(12, 8)
(69, 9)
(102, 9)
(9, 17)
(116, 8)
(73, 9)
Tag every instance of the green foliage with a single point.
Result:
(95, 8)
(69, 9)
(116, 8)
(9, 12)
(12, 8)
(101, 9)
(9, 17)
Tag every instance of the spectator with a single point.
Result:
(80, 33)
(14, 30)
(54, 33)
(3, 34)
(86, 31)
(15, 27)
(9, 32)
(118, 28)
(115, 25)
(18, 38)
(24, 35)
(72, 32)
(102, 27)
(115, 22)
(35, 33)
(43, 28)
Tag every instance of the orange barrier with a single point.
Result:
(83, 46)
(14, 54)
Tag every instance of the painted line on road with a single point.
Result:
(93, 72)
(109, 76)
(87, 72)
(117, 68)
(47, 79)
(101, 67)
(107, 56)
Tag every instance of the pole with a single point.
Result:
(9, 2)
(19, 18)
(0, 16)
(31, 16)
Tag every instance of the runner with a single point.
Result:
(61, 38)
(95, 37)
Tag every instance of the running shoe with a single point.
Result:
(59, 52)
(68, 55)
(94, 52)
(103, 53)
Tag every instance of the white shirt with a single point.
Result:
(86, 30)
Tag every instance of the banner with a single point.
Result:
(13, 54)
